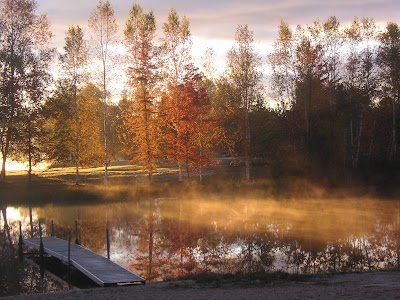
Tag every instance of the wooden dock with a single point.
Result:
(98, 268)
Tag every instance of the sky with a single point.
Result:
(218, 19)
(213, 22)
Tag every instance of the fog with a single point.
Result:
(160, 238)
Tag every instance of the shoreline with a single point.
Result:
(368, 285)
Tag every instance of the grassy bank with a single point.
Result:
(242, 279)
(126, 182)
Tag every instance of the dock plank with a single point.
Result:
(98, 268)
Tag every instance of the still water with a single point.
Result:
(164, 238)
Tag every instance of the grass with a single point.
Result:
(128, 182)
(57, 185)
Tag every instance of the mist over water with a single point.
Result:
(169, 237)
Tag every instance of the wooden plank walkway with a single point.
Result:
(98, 268)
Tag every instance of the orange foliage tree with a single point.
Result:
(175, 50)
(150, 257)
(189, 127)
(140, 116)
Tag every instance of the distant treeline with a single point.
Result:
(336, 89)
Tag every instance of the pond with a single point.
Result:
(168, 237)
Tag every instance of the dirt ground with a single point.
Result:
(378, 285)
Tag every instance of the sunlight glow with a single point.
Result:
(18, 166)
(15, 166)
(13, 214)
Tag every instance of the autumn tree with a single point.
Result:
(331, 43)
(208, 67)
(194, 146)
(245, 75)
(150, 257)
(389, 63)
(140, 116)
(207, 133)
(114, 125)
(25, 55)
(58, 111)
(90, 120)
(60, 125)
(321, 58)
(226, 107)
(176, 45)
(309, 67)
(124, 136)
(283, 132)
(284, 74)
(104, 29)
(29, 143)
(360, 81)
(304, 63)
(73, 63)
(326, 72)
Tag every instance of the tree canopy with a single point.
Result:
(326, 97)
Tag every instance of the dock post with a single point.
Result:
(41, 251)
(20, 243)
(108, 241)
(76, 233)
(52, 228)
(31, 220)
(69, 258)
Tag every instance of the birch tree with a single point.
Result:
(359, 79)
(284, 74)
(310, 70)
(104, 29)
(73, 63)
(243, 67)
(332, 41)
(389, 62)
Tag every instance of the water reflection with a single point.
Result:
(161, 238)
(17, 277)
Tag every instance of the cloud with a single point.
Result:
(213, 22)
(211, 19)
(263, 17)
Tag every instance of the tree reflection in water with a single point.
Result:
(164, 238)
(18, 277)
